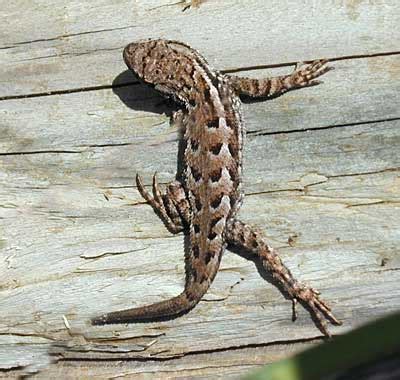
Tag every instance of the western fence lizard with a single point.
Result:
(205, 201)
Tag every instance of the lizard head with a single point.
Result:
(167, 65)
(149, 59)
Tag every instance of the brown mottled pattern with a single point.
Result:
(206, 201)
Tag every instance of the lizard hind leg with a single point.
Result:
(172, 207)
(241, 235)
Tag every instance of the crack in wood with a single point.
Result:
(226, 71)
(294, 63)
(106, 145)
(303, 189)
(182, 370)
(194, 353)
(106, 254)
(372, 203)
(23, 335)
(12, 368)
(40, 152)
(64, 36)
(333, 126)
(70, 54)
(68, 91)
(387, 170)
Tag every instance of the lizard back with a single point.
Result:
(213, 134)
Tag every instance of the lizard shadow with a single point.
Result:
(267, 276)
(264, 274)
(140, 96)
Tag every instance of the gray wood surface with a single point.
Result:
(321, 178)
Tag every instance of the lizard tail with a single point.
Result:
(198, 280)
(159, 311)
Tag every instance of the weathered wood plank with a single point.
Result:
(321, 180)
(229, 364)
(84, 246)
(217, 365)
(71, 45)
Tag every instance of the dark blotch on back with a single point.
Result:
(212, 235)
(231, 149)
(208, 257)
(194, 144)
(207, 95)
(195, 173)
(215, 149)
(214, 222)
(217, 201)
(216, 175)
(196, 251)
(194, 274)
(214, 123)
(232, 173)
(198, 204)
(196, 228)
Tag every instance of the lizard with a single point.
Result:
(204, 202)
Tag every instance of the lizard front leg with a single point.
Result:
(304, 75)
(241, 235)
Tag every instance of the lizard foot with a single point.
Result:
(318, 308)
(305, 74)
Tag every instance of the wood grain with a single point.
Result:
(321, 179)
(71, 45)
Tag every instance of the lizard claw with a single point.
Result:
(143, 192)
(320, 310)
(156, 190)
(294, 311)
